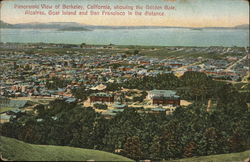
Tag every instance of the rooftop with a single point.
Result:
(163, 93)
(102, 95)
(14, 103)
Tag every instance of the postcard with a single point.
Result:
(124, 80)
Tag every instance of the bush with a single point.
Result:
(101, 106)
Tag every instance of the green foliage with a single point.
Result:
(27, 67)
(141, 97)
(83, 45)
(138, 99)
(115, 65)
(132, 148)
(199, 85)
(136, 52)
(164, 81)
(56, 83)
(101, 106)
(191, 86)
(40, 110)
(189, 131)
(113, 87)
(81, 93)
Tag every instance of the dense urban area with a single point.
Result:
(140, 102)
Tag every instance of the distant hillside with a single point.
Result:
(63, 26)
(244, 26)
(52, 25)
(233, 157)
(73, 26)
(16, 150)
(5, 25)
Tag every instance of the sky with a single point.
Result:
(188, 13)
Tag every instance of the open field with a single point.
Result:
(3, 109)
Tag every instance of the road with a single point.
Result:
(234, 64)
(181, 49)
(186, 66)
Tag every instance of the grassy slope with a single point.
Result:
(13, 149)
(233, 157)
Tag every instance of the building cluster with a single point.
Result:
(25, 74)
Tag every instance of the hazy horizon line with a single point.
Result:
(34, 22)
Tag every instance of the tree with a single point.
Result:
(40, 110)
(100, 129)
(132, 148)
(138, 99)
(83, 45)
(123, 125)
(199, 84)
(81, 93)
(113, 87)
(136, 52)
(161, 81)
(101, 106)
(189, 149)
(56, 83)
(189, 131)
(156, 149)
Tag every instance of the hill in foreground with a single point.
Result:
(233, 157)
(16, 150)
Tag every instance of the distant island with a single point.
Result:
(196, 28)
(5, 25)
(74, 29)
(61, 26)
(73, 26)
